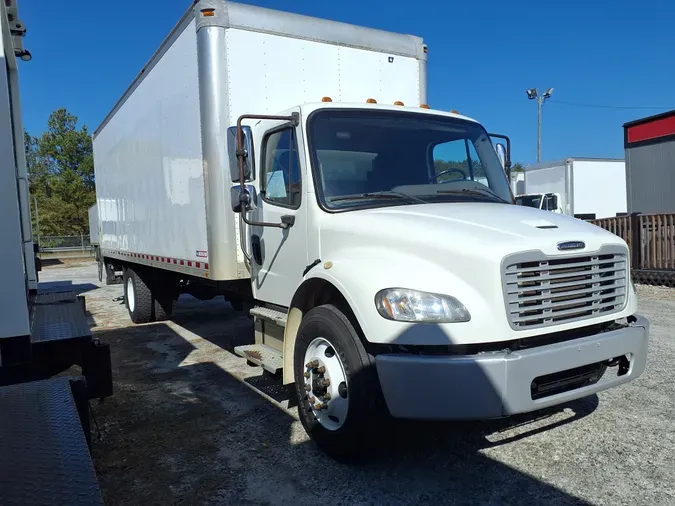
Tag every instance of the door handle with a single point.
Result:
(288, 220)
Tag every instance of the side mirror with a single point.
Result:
(505, 158)
(501, 154)
(232, 153)
(243, 201)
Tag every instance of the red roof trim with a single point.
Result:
(662, 127)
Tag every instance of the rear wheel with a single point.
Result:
(137, 297)
(336, 384)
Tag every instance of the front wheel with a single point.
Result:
(336, 384)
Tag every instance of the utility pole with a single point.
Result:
(532, 94)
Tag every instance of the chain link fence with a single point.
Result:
(62, 243)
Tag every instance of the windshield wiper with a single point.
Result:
(388, 194)
(474, 191)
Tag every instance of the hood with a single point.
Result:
(485, 230)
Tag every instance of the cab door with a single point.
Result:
(279, 255)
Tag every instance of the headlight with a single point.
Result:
(405, 305)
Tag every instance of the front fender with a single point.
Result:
(360, 274)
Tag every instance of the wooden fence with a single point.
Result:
(651, 239)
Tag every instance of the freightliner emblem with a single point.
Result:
(570, 245)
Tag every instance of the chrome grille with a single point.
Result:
(543, 291)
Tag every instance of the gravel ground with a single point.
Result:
(191, 423)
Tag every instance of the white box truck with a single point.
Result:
(293, 163)
(582, 187)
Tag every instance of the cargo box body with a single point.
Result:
(585, 186)
(161, 159)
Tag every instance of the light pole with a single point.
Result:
(532, 94)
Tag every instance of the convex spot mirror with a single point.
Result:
(232, 153)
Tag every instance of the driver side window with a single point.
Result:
(451, 161)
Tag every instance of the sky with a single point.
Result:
(607, 60)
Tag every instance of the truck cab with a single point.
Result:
(392, 266)
(544, 201)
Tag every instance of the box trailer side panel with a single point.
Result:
(269, 73)
(148, 161)
(15, 321)
(599, 187)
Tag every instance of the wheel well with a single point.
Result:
(317, 292)
(312, 293)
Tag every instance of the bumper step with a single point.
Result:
(262, 355)
(270, 315)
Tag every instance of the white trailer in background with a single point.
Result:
(583, 187)
(389, 269)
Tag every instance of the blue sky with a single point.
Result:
(482, 58)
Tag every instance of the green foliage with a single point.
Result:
(517, 167)
(60, 166)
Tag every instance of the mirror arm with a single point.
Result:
(244, 195)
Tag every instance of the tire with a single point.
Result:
(163, 307)
(349, 439)
(137, 297)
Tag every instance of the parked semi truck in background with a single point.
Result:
(292, 163)
(582, 187)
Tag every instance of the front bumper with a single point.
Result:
(500, 384)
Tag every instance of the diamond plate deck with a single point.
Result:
(271, 315)
(268, 358)
(58, 316)
(44, 458)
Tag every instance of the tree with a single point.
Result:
(60, 166)
(517, 167)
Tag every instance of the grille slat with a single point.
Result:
(569, 302)
(516, 298)
(574, 265)
(568, 284)
(564, 275)
(542, 291)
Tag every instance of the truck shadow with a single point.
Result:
(185, 425)
(65, 286)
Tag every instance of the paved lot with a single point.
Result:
(191, 423)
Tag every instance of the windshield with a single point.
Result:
(379, 158)
(529, 200)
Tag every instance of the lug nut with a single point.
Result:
(320, 406)
(321, 370)
(307, 388)
(325, 382)
(311, 400)
(313, 363)
(307, 375)
(326, 397)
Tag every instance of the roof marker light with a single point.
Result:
(371, 101)
(326, 99)
(398, 102)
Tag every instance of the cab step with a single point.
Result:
(262, 355)
(270, 315)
